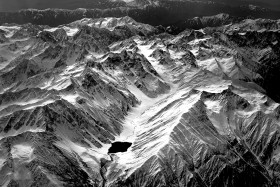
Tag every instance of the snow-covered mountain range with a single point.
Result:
(200, 108)
(154, 12)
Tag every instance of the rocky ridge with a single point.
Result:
(200, 108)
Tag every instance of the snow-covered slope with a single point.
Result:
(196, 106)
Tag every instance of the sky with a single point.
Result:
(15, 5)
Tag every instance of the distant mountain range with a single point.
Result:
(165, 13)
(15, 5)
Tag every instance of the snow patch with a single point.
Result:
(70, 31)
(40, 104)
(70, 98)
(22, 151)
(10, 30)
(51, 29)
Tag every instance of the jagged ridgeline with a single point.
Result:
(177, 14)
(195, 109)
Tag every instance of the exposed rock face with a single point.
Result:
(200, 108)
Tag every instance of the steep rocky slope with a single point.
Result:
(200, 108)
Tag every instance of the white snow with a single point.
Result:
(22, 151)
(70, 31)
(59, 84)
(149, 134)
(102, 23)
(146, 51)
(2, 162)
(109, 22)
(10, 30)
(197, 41)
(51, 29)
(242, 33)
(150, 125)
(40, 104)
(70, 98)
(91, 156)
(134, 117)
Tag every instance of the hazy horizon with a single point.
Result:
(15, 5)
